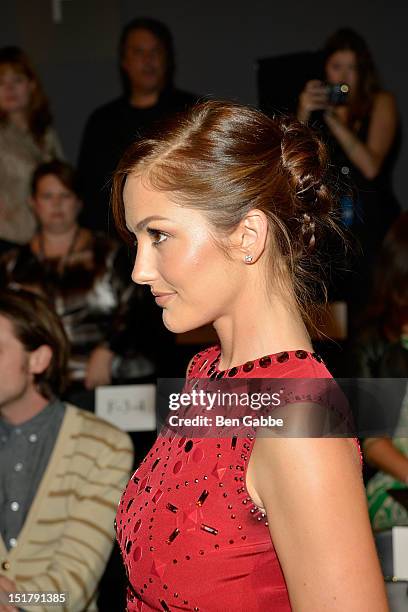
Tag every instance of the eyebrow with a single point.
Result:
(142, 224)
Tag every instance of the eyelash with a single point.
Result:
(153, 232)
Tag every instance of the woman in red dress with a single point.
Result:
(228, 208)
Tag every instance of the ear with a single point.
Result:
(249, 239)
(40, 359)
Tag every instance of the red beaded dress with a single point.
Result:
(190, 535)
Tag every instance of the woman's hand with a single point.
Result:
(313, 97)
(98, 370)
(313, 494)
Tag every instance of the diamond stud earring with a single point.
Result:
(248, 258)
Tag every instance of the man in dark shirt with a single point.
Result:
(147, 68)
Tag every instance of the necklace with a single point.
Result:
(62, 260)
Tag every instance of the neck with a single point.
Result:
(24, 408)
(19, 118)
(143, 99)
(56, 244)
(259, 326)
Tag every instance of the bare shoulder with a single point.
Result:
(312, 492)
(308, 449)
(283, 465)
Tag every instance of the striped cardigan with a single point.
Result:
(68, 534)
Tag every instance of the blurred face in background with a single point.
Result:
(55, 206)
(144, 61)
(15, 376)
(341, 67)
(15, 90)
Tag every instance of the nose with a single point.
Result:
(56, 202)
(150, 58)
(344, 73)
(144, 270)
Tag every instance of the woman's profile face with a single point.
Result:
(15, 90)
(55, 206)
(341, 67)
(188, 273)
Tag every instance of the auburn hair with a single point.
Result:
(226, 159)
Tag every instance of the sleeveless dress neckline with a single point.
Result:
(211, 369)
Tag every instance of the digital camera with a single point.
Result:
(337, 93)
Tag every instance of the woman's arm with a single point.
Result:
(368, 156)
(315, 502)
(382, 453)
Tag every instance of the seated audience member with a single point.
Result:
(86, 276)
(62, 469)
(27, 138)
(147, 67)
(361, 129)
(382, 352)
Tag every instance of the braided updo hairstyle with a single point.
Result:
(226, 159)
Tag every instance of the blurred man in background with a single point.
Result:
(147, 67)
(62, 469)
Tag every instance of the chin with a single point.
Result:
(178, 326)
(151, 84)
